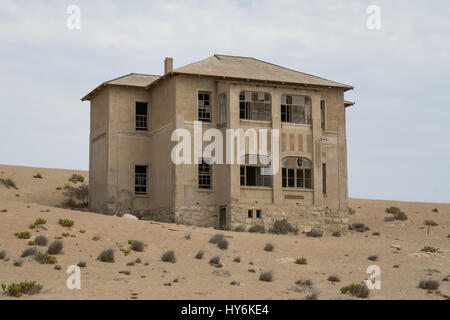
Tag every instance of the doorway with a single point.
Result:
(223, 218)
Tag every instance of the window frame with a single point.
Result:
(137, 185)
(289, 112)
(258, 177)
(201, 91)
(204, 175)
(299, 179)
(136, 127)
(248, 106)
(323, 115)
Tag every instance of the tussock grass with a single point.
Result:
(169, 256)
(55, 247)
(223, 244)
(266, 276)
(106, 255)
(137, 246)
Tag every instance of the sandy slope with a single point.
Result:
(345, 256)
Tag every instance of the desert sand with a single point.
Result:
(190, 278)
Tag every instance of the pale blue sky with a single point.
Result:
(398, 132)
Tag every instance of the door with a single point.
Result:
(223, 218)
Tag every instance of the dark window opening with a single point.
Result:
(258, 214)
(255, 106)
(297, 173)
(324, 178)
(322, 115)
(141, 116)
(296, 109)
(140, 179)
(204, 175)
(250, 213)
(252, 176)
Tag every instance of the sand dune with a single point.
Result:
(190, 278)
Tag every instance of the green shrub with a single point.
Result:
(76, 178)
(82, 231)
(430, 223)
(45, 258)
(392, 210)
(18, 289)
(40, 221)
(125, 251)
(31, 226)
(31, 243)
(66, 222)
(357, 290)
(283, 227)
(23, 235)
(301, 261)
(429, 249)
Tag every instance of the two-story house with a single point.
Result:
(131, 141)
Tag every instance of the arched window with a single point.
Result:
(295, 109)
(297, 173)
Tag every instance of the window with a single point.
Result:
(322, 115)
(324, 178)
(140, 179)
(250, 213)
(141, 116)
(204, 175)
(255, 106)
(251, 176)
(204, 106)
(297, 173)
(296, 109)
(223, 108)
(258, 214)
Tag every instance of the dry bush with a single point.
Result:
(240, 228)
(77, 197)
(373, 258)
(315, 233)
(314, 295)
(358, 290)
(334, 278)
(45, 258)
(393, 210)
(29, 252)
(76, 178)
(106, 255)
(400, 216)
(137, 246)
(429, 284)
(82, 264)
(216, 238)
(55, 247)
(199, 255)
(336, 234)
(215, 261)
(18, 263)
(3, 254)
(257, 229)
(187, 236)
(37, 176)
(223, 244)
(41, 240)
(430, 223)
(269, 246)
(169, 256)
(283, 227)
(18, 289)
(237, 259)
(351, 211)
(266, 275)
(8, 183)
(359, 227)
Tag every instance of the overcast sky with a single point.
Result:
(398, 132)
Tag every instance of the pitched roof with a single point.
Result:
(131, 80)
(235, 67)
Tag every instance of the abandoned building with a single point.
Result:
(133, 117)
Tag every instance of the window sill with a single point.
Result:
(141, 196)
(297, 189)
(265, 123)
(256, 188)
(296, 125)
(205, 190)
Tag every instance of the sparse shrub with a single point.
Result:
(336, 234)
(240, 228)
(334, 278)
(373, 258)
(237, 259)
(130, 264)
(57, 267)
(252, 270)
(393, 210)
(430, 223)
(3, 254)
(400, 216)
(8, 183)
(40, 221)
(199, 255)
(41, 240)
(125, 251)
(76, 178)
(314, 295)
(351, 211)
(23, 235)
(216, 238)
(169, 256)
(315, 233)
(436, 210)
(138, 260)
(29, 252)
(375, 233)
(45, 258)
(429, 284)
(65, 234)
(187, 236)
(283, 227)
(96, 238)
(31, 226)
(18, 263)
(301, 260)
(429, 249)
(137, 246)
(215, 260)
(269, 246)
(66, 222)
(357, 290)
(266, 276)
(359, 227)
(257, 229)
(55, 247)
(4, 210)
(106, 255)
(82, 231)
(82, 264)
(223, 244)
(31, 243)
(37, 176)
(77, 197)
(18, 289)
